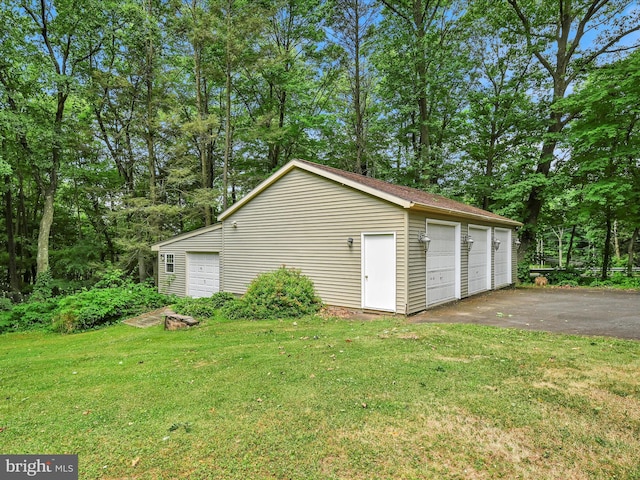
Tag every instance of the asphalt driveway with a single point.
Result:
(611, 313)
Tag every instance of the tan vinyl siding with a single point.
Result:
(464, 262)
(417, 265)
(514, 258)
(176, 283)
(303, 221)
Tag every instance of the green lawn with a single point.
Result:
(324, 399)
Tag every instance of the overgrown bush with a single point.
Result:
(203, 307)
(111, 277)
(567, 277)
(524, 275)
(43, 288)
(283, 293)
(30, 315)
(102, 306)
(618, 280)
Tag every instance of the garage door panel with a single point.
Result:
(441, 263)
(502, 266)
(203, 276)
(479, 265)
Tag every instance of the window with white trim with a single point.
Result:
(169, 263)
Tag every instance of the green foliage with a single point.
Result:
(566, 277)
(283, 293)
(43, 289)
(618, 280)
(101, 306)
(523, 272)
(30, 315)
(203, 307)
(111, 277)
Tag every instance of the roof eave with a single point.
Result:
(199, 231)
(470, 216)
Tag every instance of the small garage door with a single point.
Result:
(442, 263)
(479, 260)
(502, 258)
(379, 271)
(203, 274)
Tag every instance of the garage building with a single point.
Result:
(365, 243)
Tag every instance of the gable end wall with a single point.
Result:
(176, 283)
(303, 221)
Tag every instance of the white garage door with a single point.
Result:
(442, 263)
(379, 271)
(203, 277)
(502, 258)
(479, 263)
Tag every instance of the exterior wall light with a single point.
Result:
(468, 241)
(234, 224)
(162, 257)
(517, 242)
(424, 240)
(350, 242)
(496, 244)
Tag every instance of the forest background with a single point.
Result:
(124, 122)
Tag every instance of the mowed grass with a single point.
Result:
(324, 398)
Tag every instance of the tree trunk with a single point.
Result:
(203, 135)
(49, 190)
(630, 251)
(142, 267)
(533, 205)
(570, 247)
(42, 259)
(361, 162)
(12, 273)
(616, 243)
(227, 128)
(151, 111)
(606, 257)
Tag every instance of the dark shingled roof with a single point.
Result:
(413, 195)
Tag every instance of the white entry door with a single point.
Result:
(203, 275)
(379, 271)
(443, 263)
(479, 260)
(502, 258)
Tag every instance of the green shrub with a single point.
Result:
(284, 293)
(102, 306)
(567, 277)
(43, 289)
(31, 315)
(617, 280)
(203, 307)
(220, 299)
(111, 277)
(524, 275)
(195, 307)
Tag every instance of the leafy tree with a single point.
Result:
(557, 34)
(352, 22)
(68, 33)
(605, 147)
(423, 59)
